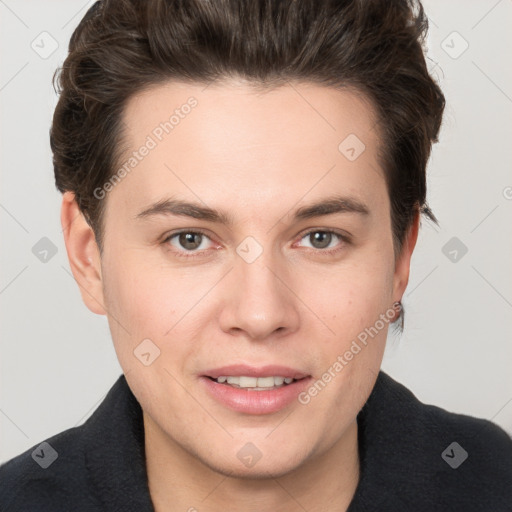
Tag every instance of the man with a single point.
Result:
(243, 184)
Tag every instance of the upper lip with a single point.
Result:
(254, 371)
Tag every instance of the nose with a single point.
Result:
(259, 302)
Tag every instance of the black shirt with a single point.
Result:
(413, 457)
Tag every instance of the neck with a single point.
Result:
(180, 482)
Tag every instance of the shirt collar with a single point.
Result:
(113, 444)
(115, 452)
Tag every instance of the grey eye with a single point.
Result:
(320, 239)
(190, 241)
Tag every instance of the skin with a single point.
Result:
(258, 156)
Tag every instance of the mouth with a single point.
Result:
(254, 383)
(253, 390)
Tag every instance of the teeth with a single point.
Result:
(254, 382)
(263, 382)
(248, 382)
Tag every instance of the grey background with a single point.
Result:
(56, 358)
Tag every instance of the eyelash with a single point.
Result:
(195, 254)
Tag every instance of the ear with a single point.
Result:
(403, 262)
(83, 254)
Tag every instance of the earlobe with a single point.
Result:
(83, 254)
(403, 262)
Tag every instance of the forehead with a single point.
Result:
(231, 140)
(248, 113)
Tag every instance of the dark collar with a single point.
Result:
(114, 451)
(401, 442)
(409, 453)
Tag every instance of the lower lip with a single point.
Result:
(255, 402)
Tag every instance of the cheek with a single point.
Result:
(142, 302)
(369, 299)
(350, 297)
(138, 294)
(148, 300)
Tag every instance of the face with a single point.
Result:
(251, 239)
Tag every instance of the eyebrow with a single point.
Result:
(328, 206)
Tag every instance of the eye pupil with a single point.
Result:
(322, 237)
(190, 240)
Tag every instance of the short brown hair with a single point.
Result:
(123, 46)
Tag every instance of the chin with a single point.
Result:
(260, 471)
(243, 460)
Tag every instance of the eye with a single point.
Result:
(188, 242)
(324, 239)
